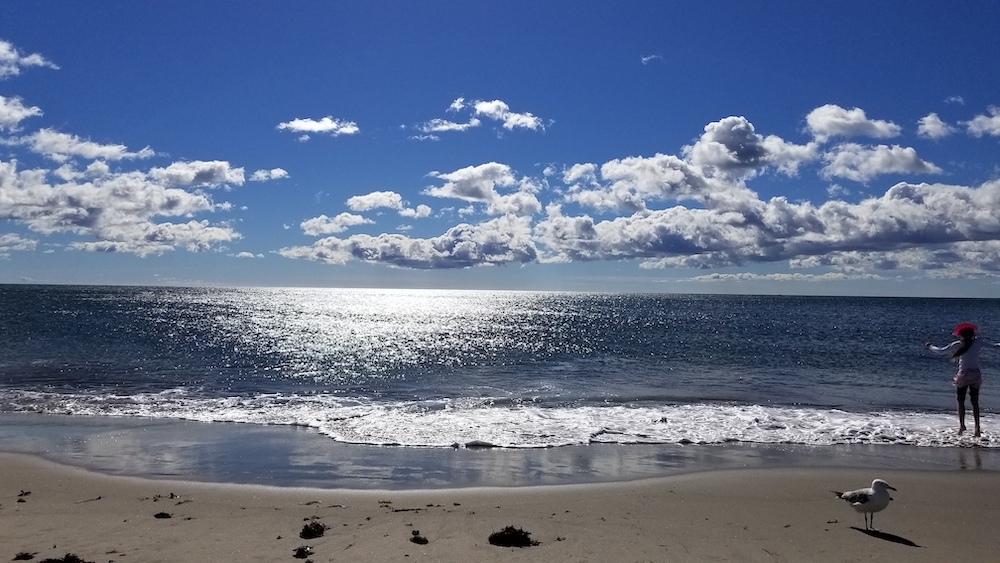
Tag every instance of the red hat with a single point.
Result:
(964, 326)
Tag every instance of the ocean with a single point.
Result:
(513, 371)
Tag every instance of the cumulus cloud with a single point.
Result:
(390, 200)
(479, 184)
(907, 216)
(931, 126)
(120, 212)
(985, 124)
(198, 173)
(494, 110)
(12, 60)
(327, 125)
(266, 175)
(61, 147)
(503, 240)
(500, 111)
(861, 163)
(696, 209)
(731, 146)
(100, 208)
(324, 225)
(12, 242)
(13, 112)
(832, 120)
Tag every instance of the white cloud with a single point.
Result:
(860, 163)
(832, 120)
(12, 242)
(443, 125)
(327, 125)
(479, 184)
(955, 100)
(495, 110)
(324, 225)
(985, 124)
(585, 173)
(374, 200)
(951, 219)
(931, 126)
(265, 175)
(198, 173)
(790, 277)
(247, 255)
(502, 240)
(650, 58)
(13, 112)
(731, 146)
(12, 61)
(419, 212)
(118, 211)
(391, 200)
(500, 111)
(61, 147)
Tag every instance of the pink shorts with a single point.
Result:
(969, 378)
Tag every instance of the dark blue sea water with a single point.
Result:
(508, 369)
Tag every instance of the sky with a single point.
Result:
(841, 148)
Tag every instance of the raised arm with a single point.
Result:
(944, 349)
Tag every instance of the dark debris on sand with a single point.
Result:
(313, 530)
(302, 552)
(417, 538)
(68, 558)
(512, 537)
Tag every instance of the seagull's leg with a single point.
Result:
(873, 520)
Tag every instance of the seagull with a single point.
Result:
(869, 500)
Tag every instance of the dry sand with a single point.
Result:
(50, 510)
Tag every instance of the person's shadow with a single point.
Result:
(884, 536)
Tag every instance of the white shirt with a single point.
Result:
(968, 360)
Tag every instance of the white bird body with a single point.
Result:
(869, 500)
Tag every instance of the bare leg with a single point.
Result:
(961, 417)
(961, 409)
(974, 399)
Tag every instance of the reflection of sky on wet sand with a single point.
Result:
(291, 456)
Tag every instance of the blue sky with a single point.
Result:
(730, 147)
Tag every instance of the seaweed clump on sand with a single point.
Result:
(68, 558)
(313, 530)
(512, 537)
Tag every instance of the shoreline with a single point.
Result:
(285, 456)
(774, 514)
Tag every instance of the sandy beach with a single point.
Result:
(49, 510)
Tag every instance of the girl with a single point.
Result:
(969, 378)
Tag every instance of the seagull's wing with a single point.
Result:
(860, 496)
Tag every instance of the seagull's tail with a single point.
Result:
(838, 493)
